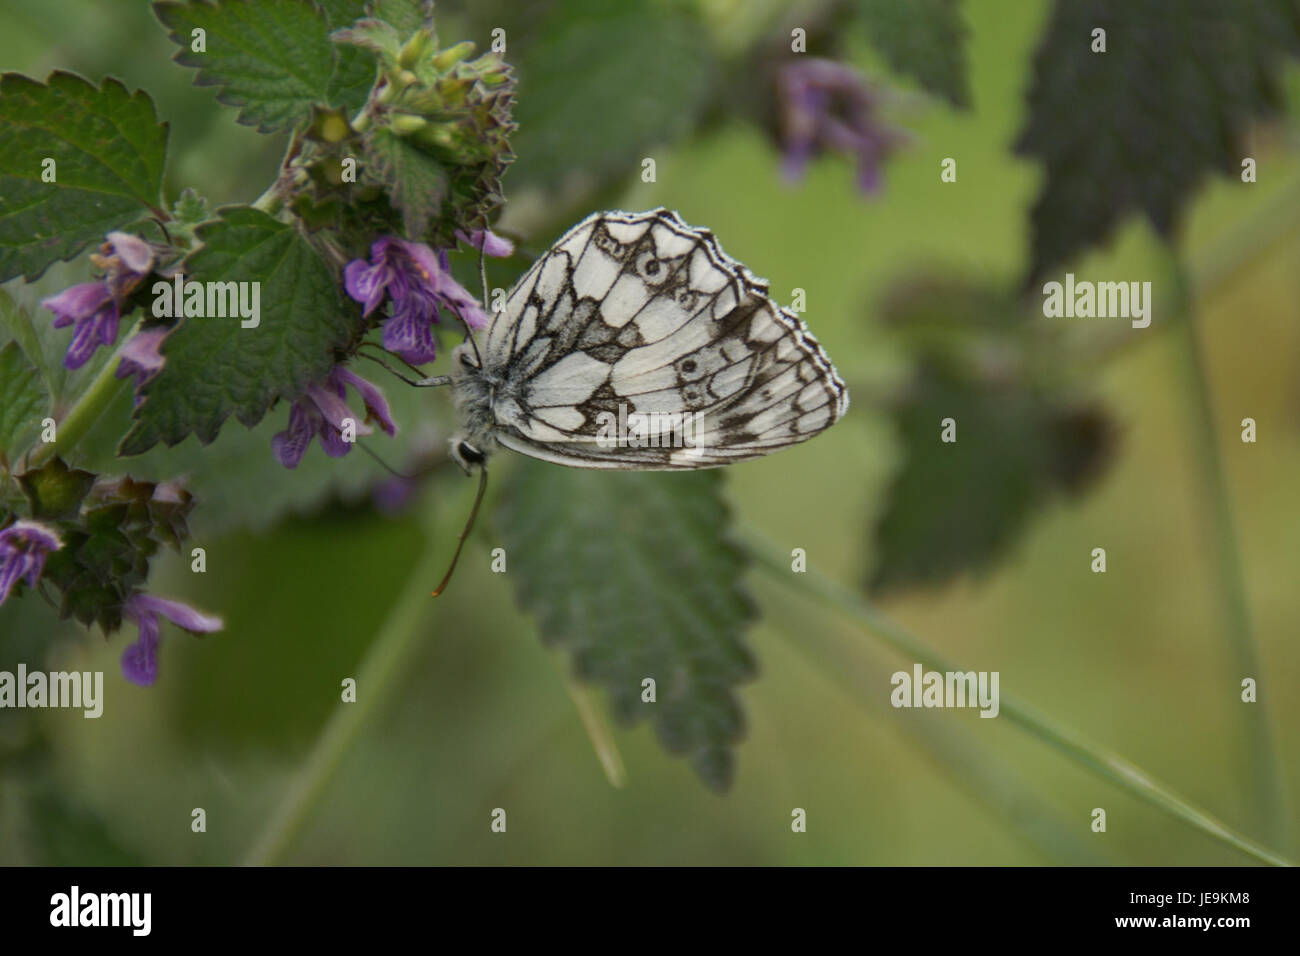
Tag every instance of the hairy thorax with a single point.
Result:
(475, 390)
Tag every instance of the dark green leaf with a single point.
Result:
(108, 148)
(406, 16)
(214, 367)
(17, 321)
(416, 183)
(271, 58)
(108, 539)
(354, 69)
(1021, 434)
(1135, 129)
(603, 81)
(191, 208)
(922, 39)
(237, 481)
(54, 490)
(23, 400)
(632, 573)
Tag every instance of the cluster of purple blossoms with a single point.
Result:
(24, 546)
(829, 106)
(420, 283)
(140, 660)
(94, 309)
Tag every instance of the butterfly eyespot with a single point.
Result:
(648, 266)
(689, 365)
(686, 299)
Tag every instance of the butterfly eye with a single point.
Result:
(469, 454)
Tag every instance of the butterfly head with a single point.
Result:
(466, 455)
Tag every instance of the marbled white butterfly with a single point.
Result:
(636, 343)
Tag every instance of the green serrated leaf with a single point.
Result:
(990, 432)
(213, 367)
(406, 16)
(921, 39)
(354, 69)
(24, 401)
(108, 150)
(416, 183)
(239, 485)
(375, 36)
(54, 490)
(645, 75)
(272, 59)
(633, 574)
(191, 208)
(1134, 143)
(17, 321)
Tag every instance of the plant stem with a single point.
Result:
(380, 667)
(90, 405)
(1266, 797)
(598, 730)
(952, 749)
(1093, 758)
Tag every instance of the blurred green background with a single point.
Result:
(481, 719)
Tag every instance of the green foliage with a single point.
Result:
(109, 150)
(923, 39)
(1135, 129)
(17, 321)
(1021, 435)
(24, 400)
(55, 490)
(272, 59)
(237, 481)
(416, 183)
(63, 832)
(215, 368)
(354, 70)
(633, 574)
(191, 208)
(406, 16)
(645, 71)
(110, 530)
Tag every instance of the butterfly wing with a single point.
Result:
(637, 343)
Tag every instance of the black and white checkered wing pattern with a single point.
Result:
(634, 323)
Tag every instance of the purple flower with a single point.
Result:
(322, 411)
(828, 106)
(24, 546)
(140, 660)
(95, 308)
(488, 241)
(419, 282)
(141, 358)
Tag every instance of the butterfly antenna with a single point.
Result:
(385, 465)
(469, 526)
(418, 383)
